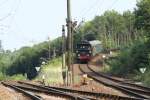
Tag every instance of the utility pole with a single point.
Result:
(73, 25)
(54, 52)
(49, 52)
(63, 55)
(69, 40)
(1, 51)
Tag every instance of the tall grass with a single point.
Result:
(52, 72)
(14, 77)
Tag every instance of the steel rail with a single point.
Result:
(122, 82)
(128, 87)
(31, 95)
(51, 90)
(126, 91)
(46, 91)
(96, 94)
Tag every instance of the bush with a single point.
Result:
(2, 76)
(17, 77)
(146, 79)
(130, 60)
(14, 77)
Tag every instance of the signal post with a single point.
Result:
(64, 70)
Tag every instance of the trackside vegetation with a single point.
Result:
(131, 59)
(52, 72)
(22, 62)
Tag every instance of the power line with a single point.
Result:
(3, 18)
(101, 4)
(97, 6)
(110, 7)
(97, 2)
(90, 8)
(12, 13)
(2, 3)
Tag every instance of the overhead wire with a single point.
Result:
(110, 7)
(11, 14)
(6, 16)
(2, 3)
(97, 2)
(90, 8)
(100, 4)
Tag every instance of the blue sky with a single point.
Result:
(28, 22)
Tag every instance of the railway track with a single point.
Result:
(47, 90)
(31, 90)
(28, 94)
(107, 81)
(90, 95)
(67, 93)
(139, 87)
(130, 86)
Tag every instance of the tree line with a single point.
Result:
(137, 56)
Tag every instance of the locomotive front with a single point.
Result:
(83, 51)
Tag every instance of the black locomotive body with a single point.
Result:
(83, 51)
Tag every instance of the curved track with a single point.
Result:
(47, 90)
(68, 93)
(58, 91)
(87, 94)
(28, 94)
(131, 91)
(146, 90)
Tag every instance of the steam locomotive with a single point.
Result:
(86, 49)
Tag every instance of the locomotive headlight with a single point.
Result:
(104, 56)
(90, 52)
(78, 55)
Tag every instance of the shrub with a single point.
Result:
(146, 79)
(17, 77)
(130, 60)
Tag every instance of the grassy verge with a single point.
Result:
(14, 77)
(52, 72)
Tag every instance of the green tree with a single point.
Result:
(142, 13)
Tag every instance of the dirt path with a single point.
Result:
(9, 94)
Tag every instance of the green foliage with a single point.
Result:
(146, 79)
(113, 29)
(142, 13)
(52, 71)
(130, 60)
(24, 60)
(14, 77)
(136, 55)
(2, 76)
(17, 77)
(55, 62)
